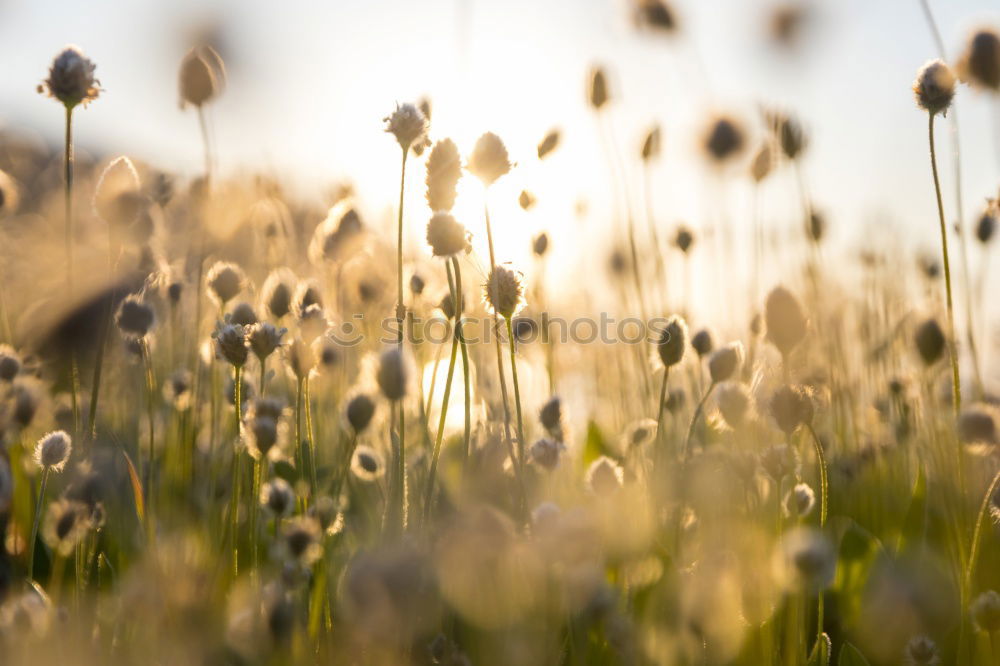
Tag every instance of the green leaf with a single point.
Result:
(596, 446)
(133, 476)
(820, 655)
(851, 656)
(914, 527)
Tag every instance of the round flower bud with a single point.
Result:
(201, 77)
(733, 399)
(504, 292)
(489, 160)
(135, 318)
(987, 224)
(545, 453)
(392, 375)
(684, 239)
(243, 314)
(445, 235)
(597, 91)
(52, 450)
(724, 139)
(985, 612)
(604, 476)
(549, 143)
(980, 65)
(930, 341)
(71, 78)
(670, 345)
(799, 501)
(722, 364)
(10, 363)
(934, 87)
(791, 407)
(367, 464)
(225, 280)
(540, 245)
(702, 343)
(276, 293)
(408, 124)
(444, 169)
(359, 411)
(277, 497)
(786, 323)
(921, 651)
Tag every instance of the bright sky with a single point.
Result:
(309, 84)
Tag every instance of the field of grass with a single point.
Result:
(237, 428)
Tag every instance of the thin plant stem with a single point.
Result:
(150, 397)
(977, 533)
(517, 391)
(467, 430)
(659, 405)
(263, 375)
(235, 493)
(824, 494)
(70, 276)
(206, 146)
(400, 308)
(694, 420)
(35, 522)
(255, 512)
(446, 398)
(956, 390)
(306, 398)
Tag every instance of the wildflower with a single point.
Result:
(722, 364)
(980, 64)
(786, 323)
(604, 476)
(549, 143)
(930, 341)
(264, 432)
(10, 363)
(805, 560)
(444, 170)
(277, 497)
(791, 135)
(934, 87)
(779, 461)
(445, 235)
(675, 400)
(724, 139)
(324, 511)
(545, 453)
(656, 15)
(551, 417)
(392, 374)
(651, 145)
(326, 351)
(276, 293)
(225, 280)
(231, 343)
(66, 523)
(359, 411)
(489, 161)
(526, 200)
(684, 239)
(27, 396)
(408, 124)
(71, 78)
(639, 433)
(264, 338)
(338, 235)
(733, 399)
(201, 77)
(306, 295)
(921, 651)
(243, 314)
(670, 344)
(791, 406)
(53, 450)
(300, 358)
(367, 464)
(597, 92)
(702, 343)
(135, 318)
(300, 540)
(504, 292)
(987, 224)
(799, 501)
(540, 245)
(985, 612)
(177, 390)
(26, 615)
(977, 424)
(762, 163)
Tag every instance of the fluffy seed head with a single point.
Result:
(545, 453)
(243, 314)
(934, 87)
(277, 497)
(10, 363)
(597, 90)
(52, 450)
(489, 160)
(723, 362)
(671, 343)
(985, 612)
(300, 540)
(977, 424)
(549, 143)
(408, 124)
(71, 78)
(66, 523)
(724, 139)
(276, 293)
(930, 341)
(446, 236)
(551, 417)
(980, 64)
(733, 399)
(444, 170)
(504, 293)
(791, 406)
(359, 411)
(264, 337)
(367, 464)
(779, 461)
(604, 476)
(225, 280)
(135, 318)
(117, 198)
(702, 343)
(805, 560)
(921, 651)
(202, 76)
(651, 144)
(987, 225)
(785, 320)
(540, 245)
(231, 343)
(684, 239)
(799, 501)
(393, 374)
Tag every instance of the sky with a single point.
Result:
(310, 82)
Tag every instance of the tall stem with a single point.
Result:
(306, 398)
(234, 509)
(467, 432)
(432, 474)
(694, 420)
(150, 395)
(400, 308)
(496, 331)
(517, 391)
(824, 493)
(956, 391)
(34, 523)
(68, 238)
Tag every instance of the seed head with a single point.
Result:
(135, 318)
(177, 390)
(338, 236)
(545, 453)
(66, 523)
(526, 200)
(638, 433)
(243, 314)
(724, 139)
(27, 395)
(307, 294)
(987, 225)
(816, 226)
(408, 124)
(231, 343)
(417, 284)
(805, 560)
(980, 64)
(930, 341)
(549, 143)
(489, 160)
(934, 87)
(367, 464)
(326, 513)
(651, 144)
(277, 497)
(921, 651)
(444, 170)
(763, 163)
(264, 337)
(52, 451)
(10, 363)
(301, 540)
(655, 15)
(733, 399)
(276, 293)
(446, 236)
(604, 476)
(504, 293)
(985, 612)
(779, 461)
(799, 501)
(225, 280)
(597, 91)
(540, 245)
(71, 78)
(551, 417)
(786, 323)
(300, 358)
(672, 340)
(723, 362)
(684, 239)
(202, 76)
(393, 374)
(791, 136)
(359, 411)
(791, 406)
